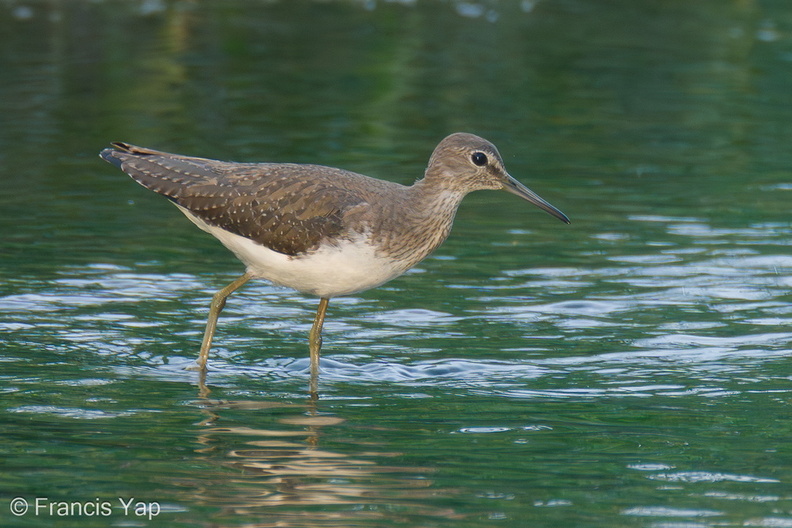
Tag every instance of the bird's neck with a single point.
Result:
(421, 222)
(433, 200)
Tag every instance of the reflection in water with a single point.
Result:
(284, 466)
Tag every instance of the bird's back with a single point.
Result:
(289, 208)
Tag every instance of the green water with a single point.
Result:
(632, 369)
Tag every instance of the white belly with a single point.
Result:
(348, 267)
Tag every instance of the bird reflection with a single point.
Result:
(276, 466)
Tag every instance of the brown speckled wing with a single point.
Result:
(286, 207)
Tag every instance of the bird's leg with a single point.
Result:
(315, 337)
(315, 341)
(218, 302)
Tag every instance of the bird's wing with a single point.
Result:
(288, 208)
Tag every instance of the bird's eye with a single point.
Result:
(479, 158)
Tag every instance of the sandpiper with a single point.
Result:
(320, 230)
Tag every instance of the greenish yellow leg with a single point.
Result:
(315, 342)
(218, 302)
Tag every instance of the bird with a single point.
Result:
(322, 231)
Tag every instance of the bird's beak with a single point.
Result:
(515, 187)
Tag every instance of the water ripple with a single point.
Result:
(70, 412)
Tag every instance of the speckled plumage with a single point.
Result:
(288, 208)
